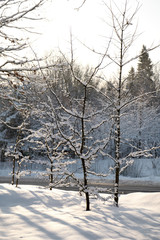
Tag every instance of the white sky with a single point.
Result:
(87, 25)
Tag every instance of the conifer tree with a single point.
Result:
(131, 80)
(145, 72)
(141, 82)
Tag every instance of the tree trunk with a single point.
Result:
(86, 185)
(117, 165)
(118, 116)
(82, 150)
(51, 174)
(13, 170)
(139, 126)
(17, 180)
(116, 184)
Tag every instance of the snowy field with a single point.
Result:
(36, 213)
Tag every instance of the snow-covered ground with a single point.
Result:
(36, 213)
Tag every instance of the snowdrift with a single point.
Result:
(36, 213)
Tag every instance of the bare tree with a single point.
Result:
(74, 124)
(122, 21)
(123, 37)
(14, 18)
(83, 2)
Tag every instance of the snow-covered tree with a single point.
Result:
(145, 73)
(15, 18)
(123, 36)
(141, 82)
(79, 124)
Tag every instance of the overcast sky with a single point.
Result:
(88, 26)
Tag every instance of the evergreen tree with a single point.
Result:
(145, 73)
(141, 82)
(131, 80)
